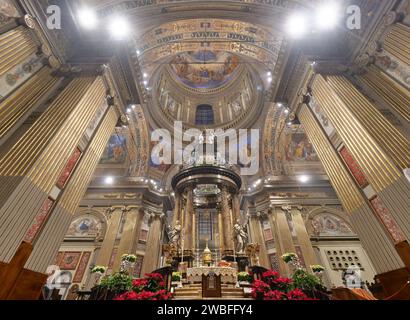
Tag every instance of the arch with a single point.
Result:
(100, 217)
(327, 210)
(204, 115)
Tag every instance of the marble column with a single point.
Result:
(129, 237)
(378, 148)
(188, 221)
(153, 248)
(285, 239)
(371, 232)
(226, 223)
(177, 210)
(308, 252)
(114, 216)
(256, 235)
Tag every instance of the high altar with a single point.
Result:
(207, 213)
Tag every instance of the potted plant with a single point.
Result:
(177, 279)
(127, 262)
(98, 271)
(244, 278)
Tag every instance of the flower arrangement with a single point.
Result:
(117, 283)
(289, 257)
(99, 269)
(176, 276)
(244, 277)
(300, 287)
(317, 268)
(150, 288)
(129, 258)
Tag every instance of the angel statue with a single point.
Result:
(174, 233)
(241, 237)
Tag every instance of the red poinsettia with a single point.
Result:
(297, 294)
(274, 295)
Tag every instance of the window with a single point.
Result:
(204, 115)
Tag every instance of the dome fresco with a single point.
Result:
(205, 69)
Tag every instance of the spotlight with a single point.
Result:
(129, 110)
(145, 75)
(119, 28)
(280, 104)
(109, 180)
(133, 107)
(286, 111)
(145, 82)
(297, 25)
(304, 179)
(269, 74)
(270, 79)
(327, 16)
(138, 52)
(87, 18)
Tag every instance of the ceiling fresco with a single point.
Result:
(205, 69)
(210, 35)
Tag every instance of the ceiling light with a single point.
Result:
(129, 110)
(286, 111)
(87, 18)
(269, 74)
(270, 79)
(304, 179)
(119, 28)
(297, 25)
(280, 104)
(138, 52)
(133, 106)
(109, 180)
(290, 123)
(145, 75)
(327, 16)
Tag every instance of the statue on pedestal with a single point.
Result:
(241, 237)
(174, 233)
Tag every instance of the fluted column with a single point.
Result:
(114, 221)
(129, 237)
(189, 212)
(308, 252)
(177, 210)
(226, 223)
(256, 234)
(153, 245)
(25, 99)
(390, 91)
(397, 42)
(379, 149)
(285, 238)
(283, 267)
(236, 208)
(368, 227)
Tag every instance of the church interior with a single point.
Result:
(209, 147)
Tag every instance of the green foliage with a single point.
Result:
(176, 276)
(117, 283)
(244, 276)
(306, 281)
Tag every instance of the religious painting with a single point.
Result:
(116, 150)
(328, 225)
(85, 226)
(299, 148)
(70, 260)
(393, 67)
(205, 69)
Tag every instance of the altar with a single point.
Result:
(228, 275)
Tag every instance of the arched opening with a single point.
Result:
(204, 115)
